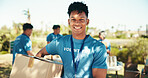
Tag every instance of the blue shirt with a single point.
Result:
(52, 36)
(93, 55)
(108, 44)
(22, 44)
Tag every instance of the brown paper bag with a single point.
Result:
(33, 67)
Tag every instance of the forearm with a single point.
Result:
(99, 73)
(42, 52)
(48, 42)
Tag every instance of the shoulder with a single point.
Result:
(50, 34)
(22, 37)
(63, 38)
(60, 35)
(96, 43)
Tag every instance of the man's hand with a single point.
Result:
(42, 52)
(39, 54)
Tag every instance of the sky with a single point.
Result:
(103, 14)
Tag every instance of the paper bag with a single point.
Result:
(33, 67)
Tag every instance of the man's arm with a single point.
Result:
(43, 51)
(48, 42)
(108, 51)
(99, 73)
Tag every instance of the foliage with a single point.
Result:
(120, 34)
(8, 34)
(114, 49)
(3, 52)
(46, 33)
(34, 43)
(37, 33)
(18, 28)
(4, 41)
(138, 50)
(5, 46)
(5, 71)
(122, 55)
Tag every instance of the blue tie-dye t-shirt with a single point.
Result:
(52, 36)
(22, 44)
(93, 55)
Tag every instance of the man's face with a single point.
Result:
(57, 31)
(29, 32)
(101, 37)
(78, 22)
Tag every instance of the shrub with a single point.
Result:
(138, 50)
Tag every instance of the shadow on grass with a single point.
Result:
(114, 76)
(5, 71)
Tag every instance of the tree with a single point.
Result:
(17, 27)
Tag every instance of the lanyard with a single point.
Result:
(80, 51)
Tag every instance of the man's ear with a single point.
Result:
(68, 21)
(87, 21)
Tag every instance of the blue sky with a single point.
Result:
(122, 14)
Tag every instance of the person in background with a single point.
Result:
(23, 44)
(107, 44)
(82, 55)
(54, 35)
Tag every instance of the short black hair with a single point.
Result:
(27, 26)
(55, 26)
(101, 32)
(78, 6)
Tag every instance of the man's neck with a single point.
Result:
(80, 37)
(25, 34)
(55, 33)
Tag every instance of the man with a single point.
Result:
(55, 34)
(23, 44)
(82, 56)
(102, 36)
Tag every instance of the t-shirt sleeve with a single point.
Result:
(61, 35)
(109, 47)
(49, 38)
(27, 45)
(52, 47)
(100, 57)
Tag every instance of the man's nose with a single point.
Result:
(77, 22)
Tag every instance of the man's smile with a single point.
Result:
(77, 28)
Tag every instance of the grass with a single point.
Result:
(4, 52)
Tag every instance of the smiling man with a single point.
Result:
(82, 56)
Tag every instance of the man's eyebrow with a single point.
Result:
(71, 17)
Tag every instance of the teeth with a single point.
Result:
(77, 27)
